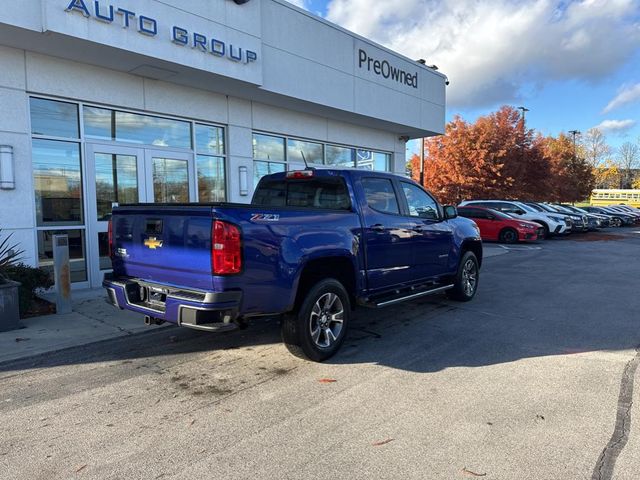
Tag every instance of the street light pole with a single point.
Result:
(524, 111)
(422, 161)
(574, 133)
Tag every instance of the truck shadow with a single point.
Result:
(569, 299)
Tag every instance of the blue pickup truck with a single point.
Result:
(311, 246)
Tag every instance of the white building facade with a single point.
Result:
(169, 101)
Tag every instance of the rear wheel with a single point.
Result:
(508, 235)
(317, 329)
(466, 281)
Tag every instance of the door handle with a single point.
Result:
(378, 227)
(418, 228)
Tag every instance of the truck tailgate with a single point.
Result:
(169, 245)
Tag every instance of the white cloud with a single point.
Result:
(490, 50)
(616, 127)
(626, 94)
(299, 3)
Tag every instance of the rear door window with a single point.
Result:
(380, 195)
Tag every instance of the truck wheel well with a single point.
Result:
(339, 268)
(474, 246)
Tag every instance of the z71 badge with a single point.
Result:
(265, 217)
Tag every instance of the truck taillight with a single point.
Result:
(226, 248)
(110, 235)
(300, 174)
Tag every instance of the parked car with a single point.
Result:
(622, 209)
(580, 220)
(312, 245)
(595, 220)
(618, 219)
(500, 227)
(553, 224)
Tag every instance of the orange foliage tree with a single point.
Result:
(497, 157)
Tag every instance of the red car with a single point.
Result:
(500, 227)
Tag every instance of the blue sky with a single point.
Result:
(574, 63)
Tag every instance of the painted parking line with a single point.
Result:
(520, 247)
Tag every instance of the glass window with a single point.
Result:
(260, 169)
(473, 213)
(55, 119)
(419, 202)
(313, 152)
(58, 182)
(369, 160)
(211, 179)
(340, 156)
(209, 140)
(322, 193)
(99, 123)
(77, 257)
(380, 195)
(267, 147)
(116, 181)
(144, 129)
(170, 180)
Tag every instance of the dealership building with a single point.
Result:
(123, 101)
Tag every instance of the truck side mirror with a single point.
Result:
(450, 212)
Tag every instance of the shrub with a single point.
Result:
(9, 256)
(31, 279)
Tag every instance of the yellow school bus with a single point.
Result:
(604, 197)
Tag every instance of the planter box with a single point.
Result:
(9, 306)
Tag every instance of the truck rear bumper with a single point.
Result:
(210, 311)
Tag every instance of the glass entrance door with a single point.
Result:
(170, 177)
(113, 174)
(119, 175)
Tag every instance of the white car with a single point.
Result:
(552, 224)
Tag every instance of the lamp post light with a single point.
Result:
(574, 133)
(524, 110)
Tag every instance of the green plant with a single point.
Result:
(30, 279)
(10, 255)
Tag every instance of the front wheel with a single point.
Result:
(466, 281)
(317, 329)
(508, 235)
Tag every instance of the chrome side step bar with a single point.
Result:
(414, 296)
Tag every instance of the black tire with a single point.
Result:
(545, 227)
(463, 291)
(327, 308)
(508, 235)
(617, 222)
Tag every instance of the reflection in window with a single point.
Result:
(55, 119)
(58, 182)
(161, 132)
(77, 257)
(370, 160)
(260, 169)
(340, 156)
(313, 152)
(380, 195)
(209, 139)
(211, 179)
(170, 180)
(116, 181)
(99, 123)
(420, 204)
(267, 147)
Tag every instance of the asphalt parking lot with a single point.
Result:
(531, 380)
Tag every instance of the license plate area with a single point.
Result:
(153, 298)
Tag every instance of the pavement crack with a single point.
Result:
(607, 461)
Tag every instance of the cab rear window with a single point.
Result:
(320, 193)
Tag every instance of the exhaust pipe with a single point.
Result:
(152, 321)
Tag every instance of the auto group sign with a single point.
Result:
(147, 24)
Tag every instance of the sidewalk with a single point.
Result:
(92, 320)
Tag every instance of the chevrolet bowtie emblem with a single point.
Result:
(153, 243)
